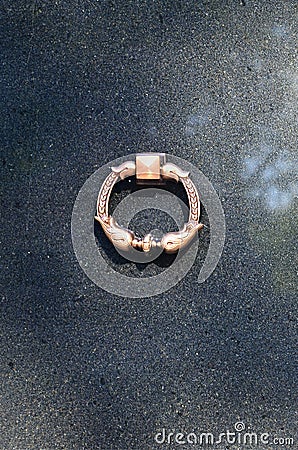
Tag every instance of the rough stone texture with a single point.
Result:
(84, 82)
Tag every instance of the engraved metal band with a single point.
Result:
(148, 168)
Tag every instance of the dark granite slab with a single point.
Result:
(86, 82)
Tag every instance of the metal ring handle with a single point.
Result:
(148, 168)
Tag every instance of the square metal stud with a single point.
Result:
(148, 167)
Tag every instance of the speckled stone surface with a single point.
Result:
(82, 83)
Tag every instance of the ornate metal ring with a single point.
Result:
(149, 168)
